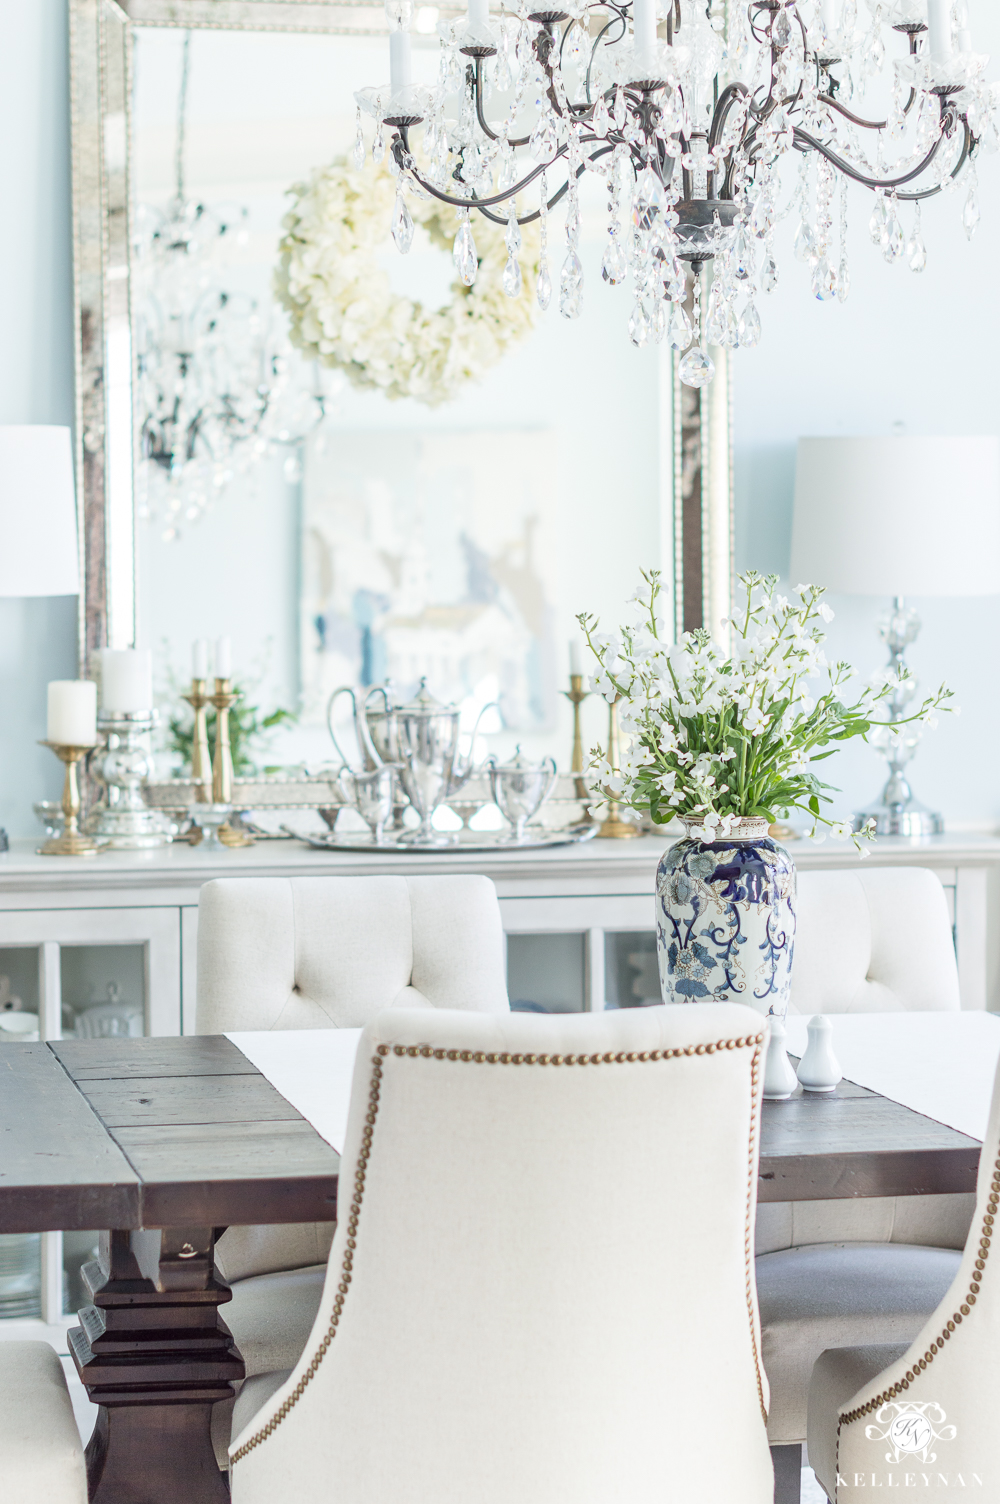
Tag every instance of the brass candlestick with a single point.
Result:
(201, 763)
(576, 694)
(72, 842)
(222, 763)
(613, 827)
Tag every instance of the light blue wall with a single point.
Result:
(37, 637)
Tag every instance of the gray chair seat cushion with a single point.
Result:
(255, 1393)
(839, 1295)
(270, 1317)
(837, 1374)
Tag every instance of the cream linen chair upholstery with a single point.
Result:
(323, 953)
(41, 1455)
(540, 1286)
(948, 1379)
(831, 1273)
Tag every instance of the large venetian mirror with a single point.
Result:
(338, 536)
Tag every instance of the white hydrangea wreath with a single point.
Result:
(343, 310)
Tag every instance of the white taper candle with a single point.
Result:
(223, 658)
(575, 665)
(199, 659)
(939, 28)
(400, 74)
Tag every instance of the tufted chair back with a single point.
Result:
(876, 941)
(519, 1306)
(331, 952)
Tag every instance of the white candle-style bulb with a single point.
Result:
(939, 28)
(398, 13)
(400, 68)
(72, 713)
(644, 28)
(963, 40)
(199, 659)
(828, 11)
(479, 16)
(575, 663)
(126, 679)
(224, 658)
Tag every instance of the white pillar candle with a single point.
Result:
(575, 666)
(400, 75)
(644, 27)
(223, 658)
(72, 718)
(199, 659)
(479, 15)
(126, 679)
(939, 28)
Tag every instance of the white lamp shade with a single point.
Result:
(38, 547)
(898, 516)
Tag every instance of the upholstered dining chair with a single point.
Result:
(832, 1273)
(41, 1455)
(923, 1415)
(540, 1286)
(324, 953)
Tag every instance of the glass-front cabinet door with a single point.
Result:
(77, 974)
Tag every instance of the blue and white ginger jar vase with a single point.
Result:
(725, 919)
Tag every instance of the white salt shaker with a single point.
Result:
(819, 1069)
(779, 1078)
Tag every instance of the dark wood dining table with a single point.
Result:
(165, 1142)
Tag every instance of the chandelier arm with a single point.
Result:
(478, 96)
(560, 193)
(478, 203)
(618, 16)
(727, 99)
(811, 144)
(868, 125)
(967, 146)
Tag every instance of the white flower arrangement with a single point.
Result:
(717, 736)
(342, 308)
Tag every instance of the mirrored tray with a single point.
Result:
(465, 840)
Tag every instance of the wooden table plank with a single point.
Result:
(58, 1167)
(187, 1099)
(852, 1142)
(192, 1055)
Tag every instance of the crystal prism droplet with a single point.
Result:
(916, 253)
(543, 288)
(571, 287)
(358, 154)
(761, 220)
(769, 275)
(781, 31)
(512, 235)
(696, 368)
(742, 257)
(892, 242)
(614, 267)
(876, 225)
(621, 109)
(601, 121)
(378, 146)
(638, 325)
(402, 225)
(542, 141)
(464, 254)
(512, 277)
(824, 281)
(805, 244)
(970, 214)
(660, 320)
(843, 282)
(679, 328)
(749, 328)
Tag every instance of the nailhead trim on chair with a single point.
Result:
(481, 1057)
(946, 1331)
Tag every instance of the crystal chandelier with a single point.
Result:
(691, 155)
(217, 389)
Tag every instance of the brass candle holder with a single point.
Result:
(613, 827)
(201, 762)
(576, 694)
(222, 762)
(72, 841)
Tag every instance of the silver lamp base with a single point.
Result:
(910, 819)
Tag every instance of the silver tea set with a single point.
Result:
(410, 755)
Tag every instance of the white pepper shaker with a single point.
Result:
(819, 1069)
(779, 1077)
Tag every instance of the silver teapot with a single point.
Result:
(520, 788)
(420, 738)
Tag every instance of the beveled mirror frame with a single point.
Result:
(695, 468)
